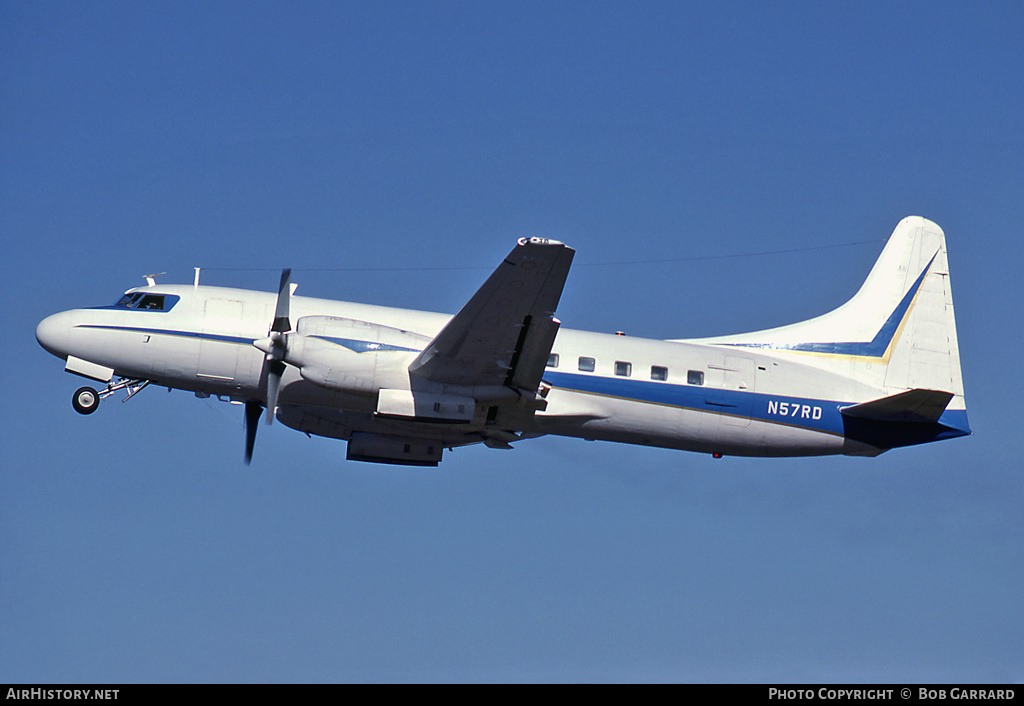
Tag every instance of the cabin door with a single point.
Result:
(218, 356)
(730, 388)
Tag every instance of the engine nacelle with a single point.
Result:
(361, 358)
(352, 356)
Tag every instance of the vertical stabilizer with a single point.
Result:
(924, 353)
(897, 333)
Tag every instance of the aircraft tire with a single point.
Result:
(86, 400)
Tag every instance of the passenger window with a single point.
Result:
(695, 377)
(553, 360)
(622, 368)
(659, 373)
(587, 365)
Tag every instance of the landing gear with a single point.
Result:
(86, 400)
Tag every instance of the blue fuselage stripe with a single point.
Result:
(816, 414)
(820, 415)
(172, 332)
(349, 343)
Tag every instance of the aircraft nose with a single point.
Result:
(52, 333)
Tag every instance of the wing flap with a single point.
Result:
(531, 356)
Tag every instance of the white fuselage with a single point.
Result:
(679, 395)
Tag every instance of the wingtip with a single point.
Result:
(539, 241)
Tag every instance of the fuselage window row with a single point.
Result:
(623, 368)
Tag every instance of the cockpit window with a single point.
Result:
(151, 302)
(128, 300)
(146, 302)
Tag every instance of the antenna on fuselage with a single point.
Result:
(151, 279)
(195, 282)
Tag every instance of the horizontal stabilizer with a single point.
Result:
(909, 406)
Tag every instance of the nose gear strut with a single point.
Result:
(87, 400)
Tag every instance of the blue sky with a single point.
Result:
(353, 141)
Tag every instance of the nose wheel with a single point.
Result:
(85, 400)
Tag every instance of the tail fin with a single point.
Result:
(898, 331)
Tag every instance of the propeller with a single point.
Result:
(253, 410)
(275, 345)
(278, 337)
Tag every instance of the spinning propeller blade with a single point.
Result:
(274, 346)
(275, 369)
(281, 322)
(253, 410)
(278, 333)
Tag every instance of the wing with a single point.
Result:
(503, 335)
